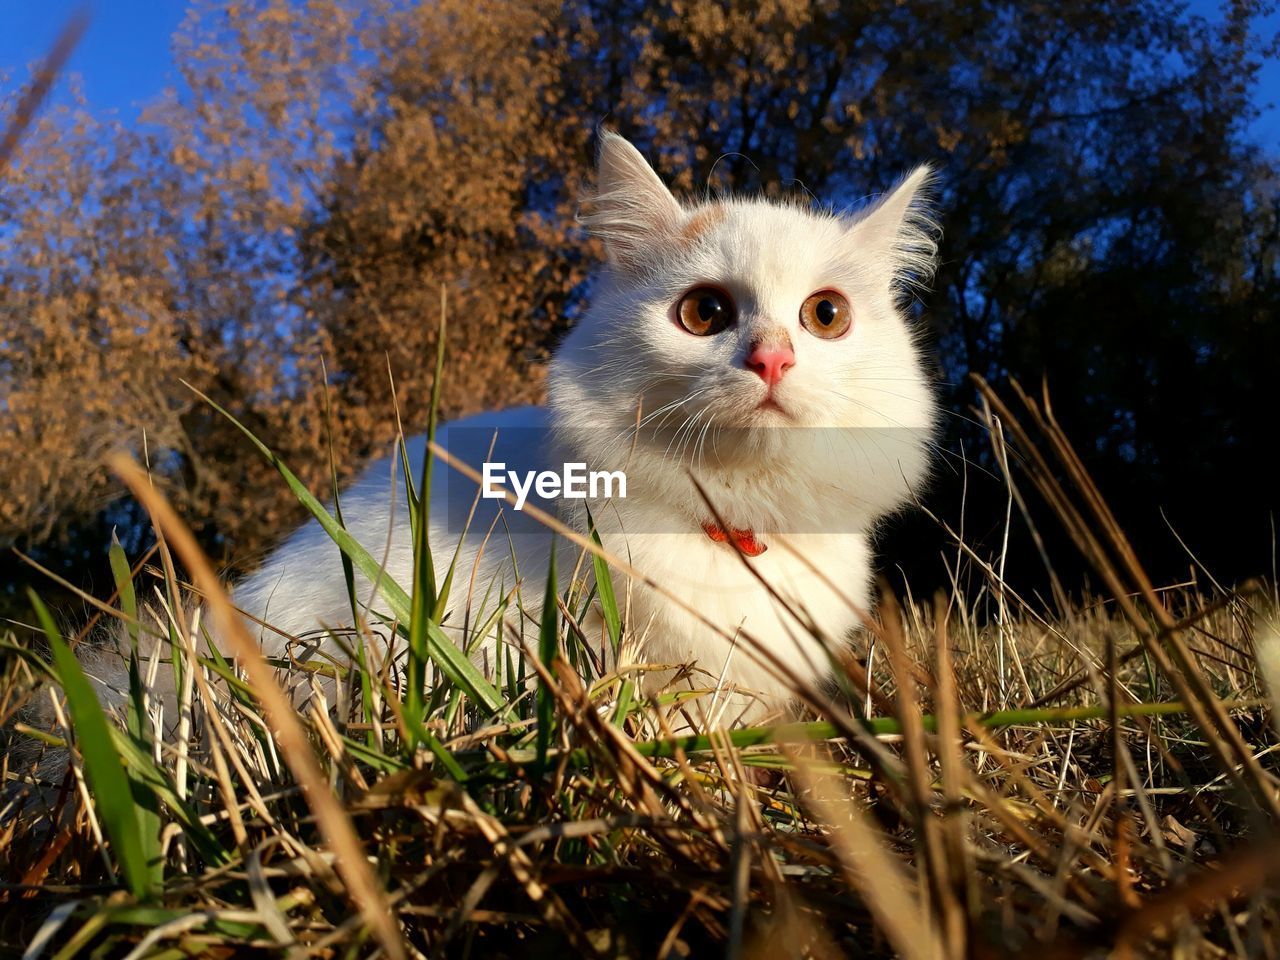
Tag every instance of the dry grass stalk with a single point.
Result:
(294, 744)
(1177, 664)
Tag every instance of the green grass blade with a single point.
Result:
(421, 608)
(135, 712)
(547, 635)
(375, 758)
(438, 750)
(146, 776)
(124, 586)
(348, 571)
(149, 823)
(453, 662)
(824, 730)
(410, 489)
(513, 691)
(626, 696)
(604, 590)
(366, 691)
(424, 606)
(216, 662)
(108, 783)
(446, 585)
(462, 672)
(612, 619)
(889, 726)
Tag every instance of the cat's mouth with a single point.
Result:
(769, 403)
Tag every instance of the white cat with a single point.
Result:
(758, 346)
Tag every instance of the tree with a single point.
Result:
(325, 168)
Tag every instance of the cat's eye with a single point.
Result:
(704, 311)
(826, 314)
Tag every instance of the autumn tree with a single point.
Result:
(324, 169)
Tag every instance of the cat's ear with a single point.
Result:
(899, 229)
(632, 210)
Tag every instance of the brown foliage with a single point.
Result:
(323, 169)
(294, 199)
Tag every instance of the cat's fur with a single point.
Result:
(811, 483)
(868, 393)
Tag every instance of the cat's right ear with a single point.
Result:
(899, 231)
(632, 210)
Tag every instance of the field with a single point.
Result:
(985, 779)
(990, 775)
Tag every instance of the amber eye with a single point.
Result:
(826, 314)
(706, 310)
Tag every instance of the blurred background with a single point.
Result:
(228, 193)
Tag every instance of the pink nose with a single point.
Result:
(771, 362)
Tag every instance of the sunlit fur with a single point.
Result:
(848, 445)
(813, 495)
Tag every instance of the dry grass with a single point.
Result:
(988, 780)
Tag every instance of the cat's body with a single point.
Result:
(705, 330)
(300, 588)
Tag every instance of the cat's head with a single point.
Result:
(742, 316)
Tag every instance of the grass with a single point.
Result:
(988, 780)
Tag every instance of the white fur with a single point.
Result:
(818, 491)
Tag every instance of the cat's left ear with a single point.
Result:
(899, 229)
(632, 210)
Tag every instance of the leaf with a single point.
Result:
(1176, 832)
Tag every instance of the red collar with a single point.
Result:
(744, 540)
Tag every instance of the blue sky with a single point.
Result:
(124, 60)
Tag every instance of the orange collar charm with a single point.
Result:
(744, 540)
